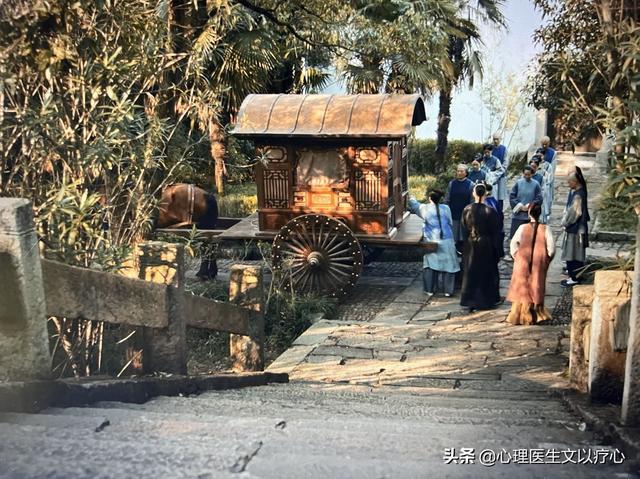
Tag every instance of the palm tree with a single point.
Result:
(465, 59)
(400, 46)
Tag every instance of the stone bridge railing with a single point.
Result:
(605, 342)
(32, 289)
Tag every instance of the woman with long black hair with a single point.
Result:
(532, 248)
(440, 266)
(481, 278)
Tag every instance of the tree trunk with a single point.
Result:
(444, 118)
(218, 151)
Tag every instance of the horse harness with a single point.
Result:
(191, 192)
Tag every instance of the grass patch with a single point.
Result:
(239, 201)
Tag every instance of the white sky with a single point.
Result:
(509, 51)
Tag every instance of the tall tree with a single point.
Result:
(465, 57)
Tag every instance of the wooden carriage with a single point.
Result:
(333, 175)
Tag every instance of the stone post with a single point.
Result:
(609, 336)
(631, 392)
(580, 337)
(24, 342)
(165, 349)
(246, 290)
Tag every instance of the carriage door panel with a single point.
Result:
(405, 174)
(273, 180)
(398, 199)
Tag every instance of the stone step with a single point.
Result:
(400, 448)
(219, 411)
(322, 467)
(313, 402)
(37, 451)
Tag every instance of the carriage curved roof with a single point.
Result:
(329, 116)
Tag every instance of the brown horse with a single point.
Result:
(185, 205)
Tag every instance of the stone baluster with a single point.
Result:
(580, 337)
(24, 343)
(246, 290)
(609, 336)
(165, 349)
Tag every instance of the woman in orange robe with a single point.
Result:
(532, 249)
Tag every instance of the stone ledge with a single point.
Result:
(612, 237)
(604, 420)
(34, 396)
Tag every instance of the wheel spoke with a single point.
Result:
(338, 253)
(299, 242)
(337, 271)
(339, 245)
(342, 258)
(340, 281)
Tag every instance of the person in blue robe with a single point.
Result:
(548, 171)
(500, 152)
(440, 266)
(535, 166)
(476, 175)
(458, 196)
(494, 171)
(524, 192)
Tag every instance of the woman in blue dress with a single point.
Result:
(443, 262)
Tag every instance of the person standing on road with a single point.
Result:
(524, 192)
(494, 172)
(532, 248)
(493, 203)
(476, 175)
(440, 265)
(481, 277)
(548, 167)
(575, 223)
(457, 197)
(535, 166)
(500, 152)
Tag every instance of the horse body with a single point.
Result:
(185, 205)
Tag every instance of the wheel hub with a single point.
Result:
(315, 259)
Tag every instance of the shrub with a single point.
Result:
(423, 160)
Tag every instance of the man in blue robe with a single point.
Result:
(476, 174)
(523, 193)
(548, 171)
(458, 196)
(494, 171)
(500, 152)
(535, 166)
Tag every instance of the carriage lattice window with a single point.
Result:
(276, 188)
(368, 190)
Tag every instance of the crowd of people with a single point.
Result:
(467, 223)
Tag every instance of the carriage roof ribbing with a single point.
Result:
(329, 116)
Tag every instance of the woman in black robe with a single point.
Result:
(481, 279)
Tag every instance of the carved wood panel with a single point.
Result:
(367, 190)
(276, 188)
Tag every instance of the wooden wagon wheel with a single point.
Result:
(318, 253)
